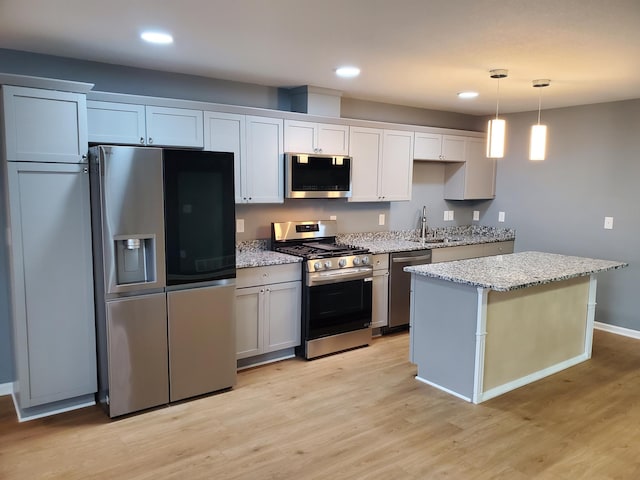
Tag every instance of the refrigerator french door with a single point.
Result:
(160, 234)
(201, 270)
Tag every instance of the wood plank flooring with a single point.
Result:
(355, 415)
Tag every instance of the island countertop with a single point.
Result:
(514, 271)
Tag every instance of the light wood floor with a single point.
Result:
(356, 415)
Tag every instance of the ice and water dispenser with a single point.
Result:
(135, 259)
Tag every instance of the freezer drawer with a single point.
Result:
(202, 357)
(137, 343)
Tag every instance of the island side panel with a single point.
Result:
(533, 332)
(443, 333)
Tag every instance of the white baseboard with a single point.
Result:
(444, 389)
(6, 388)
(626, 332)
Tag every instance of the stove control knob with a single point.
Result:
(342, 262)
(356, 261)
(365, 260)
(317, 265)
(328, 264)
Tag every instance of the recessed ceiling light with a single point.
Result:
(157, 37)
(467, 94)
(347, 72)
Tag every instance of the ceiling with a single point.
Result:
(411, 52)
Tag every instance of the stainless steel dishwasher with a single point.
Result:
(400, 285)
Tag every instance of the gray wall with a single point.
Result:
(558, 205)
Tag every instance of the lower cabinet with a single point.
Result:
(380, 293)
(462, 252)
(268, 307)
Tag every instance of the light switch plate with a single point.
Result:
(381, 219)
(608, 223)
(333, 217)
(476, 215)
(239, 225)
(450, 215)
(501, 216)
(446, 215)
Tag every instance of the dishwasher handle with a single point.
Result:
(421, 258)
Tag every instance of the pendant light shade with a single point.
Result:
(496, 130)
(495, 138)
(538, 142)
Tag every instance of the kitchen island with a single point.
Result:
(484, 326)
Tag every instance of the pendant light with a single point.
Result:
(497, 128)
(538, 144)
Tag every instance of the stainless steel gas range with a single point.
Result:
(337, 286)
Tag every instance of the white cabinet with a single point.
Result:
(308, 137)
(257, 144)
(44, 125)
(130, 124)
(225, 132)
(268, 303)
(473, 179)
(380, 291)
(51, 282)
(382, 166)
(262, 168)
(435, 146)
(462, 252)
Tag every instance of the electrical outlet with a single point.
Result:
(446, 215)
(476, 215)
(381, 219)
(333, 217)
(608, 223)
(240, 225)
(501, 216)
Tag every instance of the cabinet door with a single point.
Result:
(428, 146)
(397, 165)
(333, 139)
(365, 146)
(282, 317)
(44, 125)
(119, 123)
(264, 165)
(300, 137)
(380, 298)
(249, 333)
(497, 248)
(174, 127)
(480, 175)
(52, 282)
(225, 132)
(453, 148)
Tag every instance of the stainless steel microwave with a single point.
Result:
(317, 176)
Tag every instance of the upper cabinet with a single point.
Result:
(308, 137)
(434, 146)
(130, 124)
(475, 178)
(257, 147)
(44, 125)
(382, 166)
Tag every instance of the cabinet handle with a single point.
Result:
(150, 140)
(141, 140)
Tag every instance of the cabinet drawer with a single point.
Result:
(462, 252)
(256, 276)
(498, 248)
(380, 261)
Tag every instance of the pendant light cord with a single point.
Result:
(497, 98)
(539, 103)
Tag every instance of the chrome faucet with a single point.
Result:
(423, 230)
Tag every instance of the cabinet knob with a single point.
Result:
(84, 156)
(262, 290)
(141, 140)
(150, 140)
(85, 170)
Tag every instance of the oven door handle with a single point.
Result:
(340, 276)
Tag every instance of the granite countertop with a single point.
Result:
(514, 271)
(407, 240)
(254, 253)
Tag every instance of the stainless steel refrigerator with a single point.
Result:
(163, 224)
